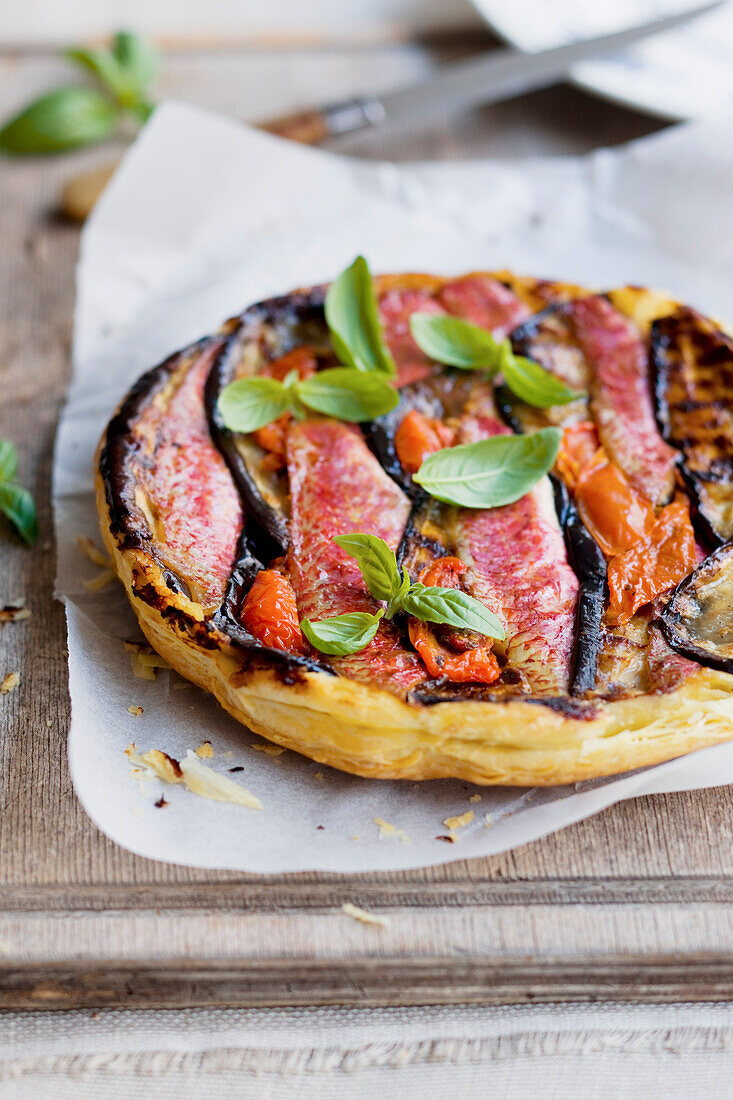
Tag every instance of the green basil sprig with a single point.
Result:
(491, 472)
(70, 117)
(469, 347)
(345, 634)
(352, 316)
(16, 503)
(250, 403)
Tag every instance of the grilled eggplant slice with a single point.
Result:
(698, 618)
(693, 381)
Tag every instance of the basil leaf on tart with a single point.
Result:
(452, 607)
(352, 316)
(251, 403)
(377, 563)
(347, 394)
(343, 634)
(531, 383)
(491, 472)
(456, 342)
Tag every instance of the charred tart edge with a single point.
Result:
(367, 731)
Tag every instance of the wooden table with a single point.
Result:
(635, 903)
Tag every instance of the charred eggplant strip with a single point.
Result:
(263, 333)
(589, 566)
(693, 379)
(697, 620)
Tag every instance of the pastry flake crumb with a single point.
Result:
(204, 781)
(354, 838)
(488, 820)
(387, 830)
(165, 767)
(271, 750)
(145, 661)
(161, 803)
(92, 551)
(460, 821)
(364, 916)
(96, 584)
(14, 613)
(135, 711)
(9, 682)
(474, 798)
(205, 750)
(319, 776)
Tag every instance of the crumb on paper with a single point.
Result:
(14, 613)
(386, 830)
(205, 750)
(488, 820)
(229, 753)
(161, 803)
(92, 551)
(96, 584)
(9, 682)
(269, 750)
(354, 837)
(450, 839)
(237, 768)
(145, 661)
(475, 798)
(455, 824)
(135, 711)
(319, 776)
(183, 686)
(198, 778)
(364, 916)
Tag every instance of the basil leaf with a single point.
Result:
(137, 57)
(64, 119)
(533, 384)
(8, 460)
(376, 561)
(250, 403)
(491, 472)
(342, 634)
(17, 504)
(456, 342)
(347, 394)
(452, 607)
(353, 319)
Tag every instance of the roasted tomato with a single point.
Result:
(655, 564)
(460, 656)
(302, 359)
(419, 436)
(577, 450)
(616, 515)
(270, 612)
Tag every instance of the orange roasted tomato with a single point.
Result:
(419, 436)
(616, 515)
(460, 655)
(579, 445)
(270, 612)
(654, 565)
(303, 359)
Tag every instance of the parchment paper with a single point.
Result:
(206, 216)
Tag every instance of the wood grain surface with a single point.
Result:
(636, 902)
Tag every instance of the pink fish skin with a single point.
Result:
(338, 487)
(395, 309)
(621, 399)
(516, 555)
(191, 491)
(483, 301)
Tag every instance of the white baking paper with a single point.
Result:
(206, 216)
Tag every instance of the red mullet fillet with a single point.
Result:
(338, 487)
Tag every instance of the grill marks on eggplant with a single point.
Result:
(697, 620)
(693, 380)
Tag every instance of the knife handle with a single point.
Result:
(315, 126)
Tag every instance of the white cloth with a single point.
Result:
(552, 1052)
